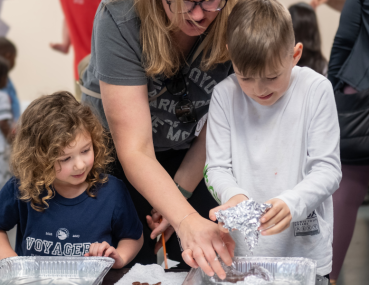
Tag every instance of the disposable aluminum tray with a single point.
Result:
(301, 271)
(42, 270)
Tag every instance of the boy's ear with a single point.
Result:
(227, 46)
(297, 53)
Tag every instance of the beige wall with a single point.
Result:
(40, 70)
(33, 25)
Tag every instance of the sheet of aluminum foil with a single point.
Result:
(42, 270)
(244, 217)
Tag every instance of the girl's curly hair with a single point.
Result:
(47, 126)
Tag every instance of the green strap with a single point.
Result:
(184, 192)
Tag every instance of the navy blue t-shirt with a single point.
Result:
(69, 226)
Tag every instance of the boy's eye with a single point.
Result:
(65, 159)
(245, 79)
(274, 78)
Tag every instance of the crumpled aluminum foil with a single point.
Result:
(244, 217)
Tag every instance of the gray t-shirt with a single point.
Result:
(116, 55)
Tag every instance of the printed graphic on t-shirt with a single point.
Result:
(167, 130)
(48, 247)
(308, 227)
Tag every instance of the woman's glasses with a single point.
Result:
(188, 6)
(184, 110)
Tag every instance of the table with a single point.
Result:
(114, 275)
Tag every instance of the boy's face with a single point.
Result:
(268, 89)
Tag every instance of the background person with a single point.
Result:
(348, 72)
(138, 49)
(306, 28)
(9, 52)
(6, 122)
(77, 31)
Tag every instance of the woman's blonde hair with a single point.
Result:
(47, 126)
(160, 53)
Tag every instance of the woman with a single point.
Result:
(348, 72)
(138, 49)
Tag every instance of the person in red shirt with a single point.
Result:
(77, 30)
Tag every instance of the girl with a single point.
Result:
(152, 50)
(60, 200)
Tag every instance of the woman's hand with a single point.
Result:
(230, 203)
(277, 219)
(201, 241)
(158, 225)
(104, 249)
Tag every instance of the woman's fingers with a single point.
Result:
(188, 258)
(229, 244)
(199, 257)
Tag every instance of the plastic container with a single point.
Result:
(42, 270)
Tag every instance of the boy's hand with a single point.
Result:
(277, 219)
(230, 203)
(104, 249)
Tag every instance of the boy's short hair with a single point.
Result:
(4, 67)
(259, 35)
(6, 46)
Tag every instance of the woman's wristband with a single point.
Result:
(184, 192)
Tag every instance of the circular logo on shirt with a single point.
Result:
(62, 234)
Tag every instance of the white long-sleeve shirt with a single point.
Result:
(289, 150)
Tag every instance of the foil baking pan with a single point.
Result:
(42, 270)
(284, 270)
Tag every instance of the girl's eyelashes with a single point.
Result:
(65, 159)
(86, 150)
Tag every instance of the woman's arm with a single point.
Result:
(189, 173)
(5, 248)
(128, 114)
(345, 38)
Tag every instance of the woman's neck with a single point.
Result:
(184, 42)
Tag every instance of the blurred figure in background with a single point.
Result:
(349, 73)
(9, 52)
(77, 31)
(305, 25)
(334, 4)
(5, 124)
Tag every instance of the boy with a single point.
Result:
(273, 136)
(5, 124)
(9, 52)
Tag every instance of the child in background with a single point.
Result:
(60, 198)
(9, 52)
(273, 136)
(6, 120)
(306, 28)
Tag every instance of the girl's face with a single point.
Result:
(76, 162)
(202, 18)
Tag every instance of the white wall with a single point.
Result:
(40, 70)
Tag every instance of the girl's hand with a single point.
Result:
(158, 227)
(230, 203)
(104, 249)
(201, 241)
(277, 219)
